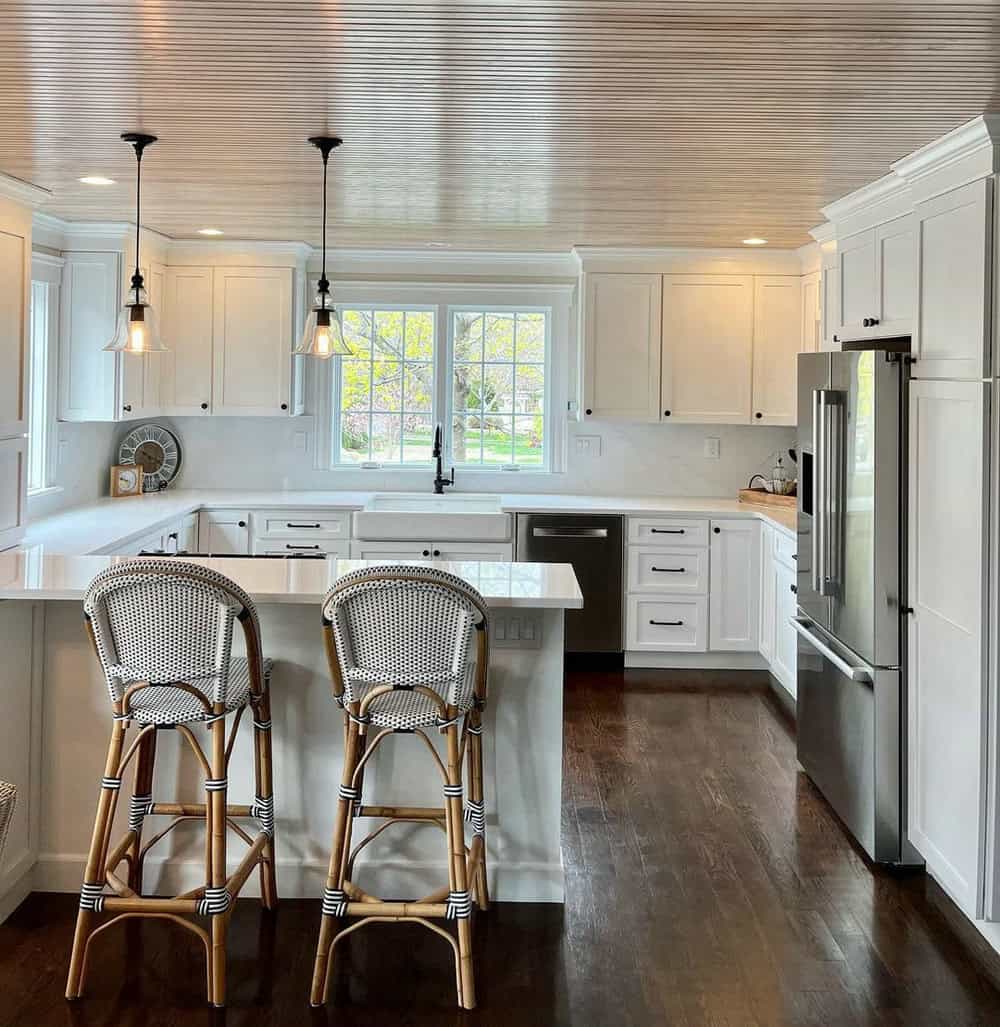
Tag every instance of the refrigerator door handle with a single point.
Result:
(854, 672)
(819, 493)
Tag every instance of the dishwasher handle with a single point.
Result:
(854, 672)
(569, 532)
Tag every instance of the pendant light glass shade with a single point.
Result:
(136, 331)
(323, 336)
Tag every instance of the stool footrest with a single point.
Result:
(403, 812)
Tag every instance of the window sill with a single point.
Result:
(48, 490)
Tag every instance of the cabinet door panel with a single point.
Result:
(785, 653)
(812, 329)
(13, 335)
(777, 341)
(622, 347)
(947, 682)
(707, 348)
(897, 280)
(858, 298)
(88, 311)
(734, 601)
(13, 490)
(830, 308)
(186, 367)
(952, 337)
(224, 531)
(252, 341)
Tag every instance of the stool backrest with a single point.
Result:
(401, 624)
(164, 621)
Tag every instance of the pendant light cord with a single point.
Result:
(324, 285)
(138, 207)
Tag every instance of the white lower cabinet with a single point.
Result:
(390, 551)
(224, 532)
(667, 623)
(302, 545)
(734, 594)
(783, 658)
(654, 569)
(13, 490)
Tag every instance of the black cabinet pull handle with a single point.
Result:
(667, 623)
(173, 535)
(241, 524)
(668, 570)
(288, 545)
(794, 589)
(127, 408)
(906, 610)
(291, 524)
(666, 531)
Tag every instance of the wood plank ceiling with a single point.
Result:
(497, 125)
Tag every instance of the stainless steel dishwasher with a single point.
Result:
(593, 545)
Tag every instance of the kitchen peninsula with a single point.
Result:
(49, 676)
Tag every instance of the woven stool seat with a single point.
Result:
(165, 704)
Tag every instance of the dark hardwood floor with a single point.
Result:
(707, 883)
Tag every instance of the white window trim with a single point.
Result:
(48, 269)
(556, 298)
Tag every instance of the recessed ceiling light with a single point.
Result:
(754, 241)
(210, 231)
(97, 180)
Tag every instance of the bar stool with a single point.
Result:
(163, 633)
(8, 799)
(408, 650)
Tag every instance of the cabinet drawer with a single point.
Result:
(784, 549)
(307, 545)
(667, 625)
(674, 570)
(668, 531)
(276, 524)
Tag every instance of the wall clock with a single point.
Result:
(156, 451)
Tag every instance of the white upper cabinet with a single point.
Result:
(708, 327)
(954, 233)
(89, 301)
(140, 375)
(621, 353)
(734, 596)
(947, 678)
(14, 251)
(252, 341)
(830, 308)
(811, 329)
(877, 291)
(777, 341)
(186, 368)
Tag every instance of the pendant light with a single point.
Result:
(323, 336)
(136, 329)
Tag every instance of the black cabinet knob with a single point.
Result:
(588, 411)
(284, 406)
(426, 552)
(437, 552)
(242, 524)
(758, 415)
(794, 589)
(717, 530)
(836, 338)
(666, 413)
(127, 408)
(873, 321)
(204, 406)
(866, 322)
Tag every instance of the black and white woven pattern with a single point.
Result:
(263, 810)
(8, 799)
(216, 901)
(397, 630)
(458, 905)
(334, 902)
(166, 623)
(475, 814)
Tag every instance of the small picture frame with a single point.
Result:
(126, 480)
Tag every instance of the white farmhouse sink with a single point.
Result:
(427, 517)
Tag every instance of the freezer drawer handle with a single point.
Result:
(666, 531)
(854, 673)
(292, 524)
(667, 623)
(668, 570)
(288, 545)
(569, 532)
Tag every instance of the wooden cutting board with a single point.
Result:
(762, 498)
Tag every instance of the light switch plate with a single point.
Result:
(588, 445)
(520, 629)
(713, 448)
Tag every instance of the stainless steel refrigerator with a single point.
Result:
(850, 590)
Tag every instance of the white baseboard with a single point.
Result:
(696, 661)
(16, 888)
(304, 879)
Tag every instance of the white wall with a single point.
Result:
(635, 460)
(84, 454)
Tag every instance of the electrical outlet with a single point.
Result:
(521, 630)
(588, 445)
(299, 441)
(713, 448)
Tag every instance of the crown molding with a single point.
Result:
(19, 191)
(677, 260)
(826, 232)
(469, 263)
(874, 204)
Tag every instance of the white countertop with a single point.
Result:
(109, 523)
(32, 575)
